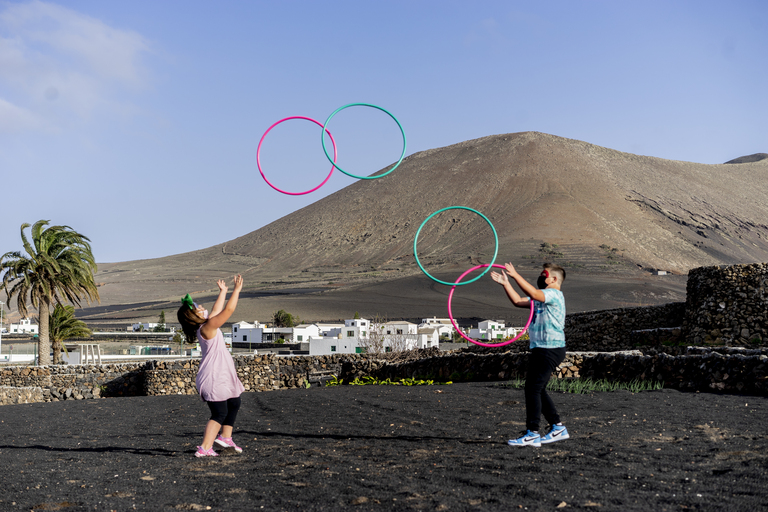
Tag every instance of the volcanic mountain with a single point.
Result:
(610, 218)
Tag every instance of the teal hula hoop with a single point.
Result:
(322, 138)
(490, 265)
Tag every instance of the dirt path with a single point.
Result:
(389, 448)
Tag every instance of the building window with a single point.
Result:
(235, 328)
(350, 334)
(389, 332)
(333, 348)
(399, 331)
(245, 337)
(360, 350)
(388, 349)
(363, 335)
(299, 337)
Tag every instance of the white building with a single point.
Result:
(25, 326)
(493, 330)
(150, 327)
(330, 346)
(357, 329)
(443, 325)
(243, 332)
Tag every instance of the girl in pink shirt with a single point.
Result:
(216, 380)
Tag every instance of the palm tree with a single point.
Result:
(58, 265)
(62, 326)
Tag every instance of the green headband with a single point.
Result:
(187, 300)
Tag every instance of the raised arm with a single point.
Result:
(514, 297)
(524, 285)
(208, 330)
(219, 304)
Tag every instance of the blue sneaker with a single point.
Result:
(558, 433)
(528, 438)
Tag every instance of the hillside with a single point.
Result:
(604, 214)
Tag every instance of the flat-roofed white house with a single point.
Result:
(150, 327)
(493, 330)
(244, 332)
(330, 346)
(330, 330)
(357, 328)
(443, 326)
(25, 326)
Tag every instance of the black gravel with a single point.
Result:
(389, 448)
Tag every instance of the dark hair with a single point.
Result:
(551, 267)
(190, 322)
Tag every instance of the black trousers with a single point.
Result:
(541, 363)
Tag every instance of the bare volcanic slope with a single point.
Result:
(592, 209)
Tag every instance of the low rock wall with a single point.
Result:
(700, 369)
(624, 328)
(26, 395)
(693, 369)
(257, 373)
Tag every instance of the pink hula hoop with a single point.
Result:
(450, 314)
(258, 156)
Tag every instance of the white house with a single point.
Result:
(150, 327)
(243, 332)
(330, 330)
(493, 330)
(399, 328)
(428, 337)
(358, 329)
(443, 325)
(25, 326)
(330, 346)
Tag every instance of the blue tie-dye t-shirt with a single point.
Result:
(548, 323)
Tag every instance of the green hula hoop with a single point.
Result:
(490, 265)
(330, 159)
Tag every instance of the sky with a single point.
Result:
(138, 123)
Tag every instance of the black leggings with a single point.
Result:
(541, 363)
(225, 412)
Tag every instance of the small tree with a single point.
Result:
(160, 327)
(284, 319)
(63, 325)
(179, 337)
(382, 345)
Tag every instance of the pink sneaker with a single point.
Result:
(201, 452)
(227, 442)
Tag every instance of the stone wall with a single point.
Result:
(466, 366)
(693, 369)
(257, 373)
(26, 395)
(727, 305)
(699, 369)
(624, 328)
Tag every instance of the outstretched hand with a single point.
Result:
(238, 283)
(510, 269)
(222, 285)
(500, 278)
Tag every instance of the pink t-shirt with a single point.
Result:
(217, 378)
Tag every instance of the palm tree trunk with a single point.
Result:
(43, 343)
(56, 346)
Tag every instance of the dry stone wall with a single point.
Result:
(727, 305)
(257, 373)
(624, 328)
